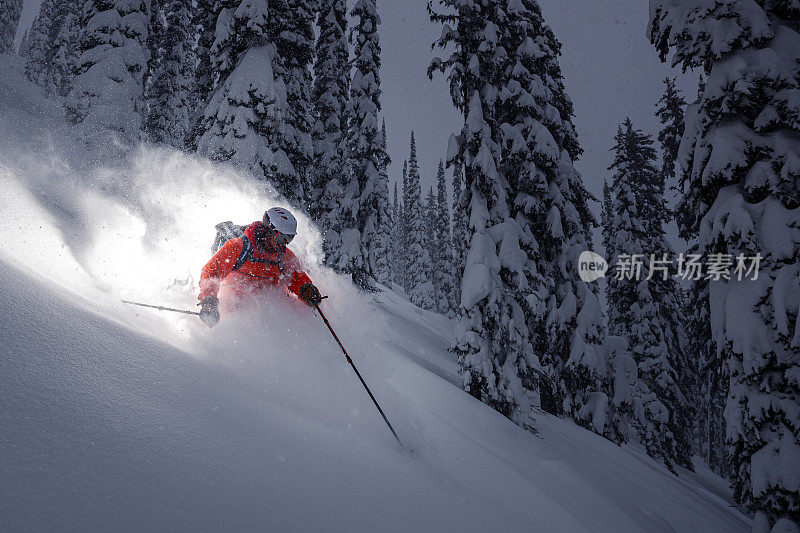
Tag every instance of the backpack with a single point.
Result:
(228, 230)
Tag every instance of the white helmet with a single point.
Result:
(281, 220)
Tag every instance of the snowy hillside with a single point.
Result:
(119, 418)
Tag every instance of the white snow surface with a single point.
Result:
(119, 418)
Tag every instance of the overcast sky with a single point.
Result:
(611, 71)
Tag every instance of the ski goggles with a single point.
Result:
(282, 238)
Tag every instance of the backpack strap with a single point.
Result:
(248, 254)
(245, 255)
(278, 263)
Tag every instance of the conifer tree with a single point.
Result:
(404, 239)
(443, 246)
(39, 57)
(329, 127)
(52, 45)
(739, 163)
(418, 260)
(65, 46)
(431, 221)
(10, 11)
(106, 93)
(644, 302)
(400, 236)
(712, 379)
(244, 118)
(381, 257)
(397, 242)
(205, 79)
(607, 220)
(168, 83)
(156, 34)
(670, 112)
(492, 340)
(366, 196)
(620, 382)
(549, 205)
(459, 231)
(291, 31)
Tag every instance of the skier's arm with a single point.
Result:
(218, 268)
(293, 274)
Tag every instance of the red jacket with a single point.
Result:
(252, 276)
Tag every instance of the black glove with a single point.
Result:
(310, 294)
(209, 313)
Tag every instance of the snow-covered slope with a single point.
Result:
(119, 418)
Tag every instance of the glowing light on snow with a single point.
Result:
(141, 228)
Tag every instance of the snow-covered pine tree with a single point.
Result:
(65, 46)
(712, 379)
(205, 79)
(393, 251)
(156, 30)
(52, 45)
(400, 233)
(606, 221)
(417, 259)
(443, 278)
(430, 217)
(620, 380)
(740, 164)
(367, 196)
(377, 241)
(397, 243)
(404, 225)
(168, 82)
(644, 303)
(492, 341)
(550, 214)
(669, 110)
(10, 11)
(459, 231)
(620, 390)
(106, 93)
(329, 174)
(244, 118)
(39, 57)
(291, 31)
(383, 239)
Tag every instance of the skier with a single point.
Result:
(254, 262)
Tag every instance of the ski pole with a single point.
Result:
(162, 308)
(359, 375)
